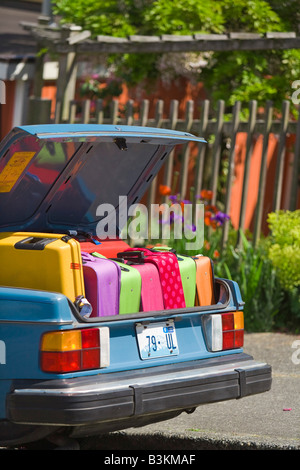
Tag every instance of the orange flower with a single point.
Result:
(164, 190)
(206, 245)
(216, 254)
(206, 194)
(210, 207)
(209, 221)
(207, 218)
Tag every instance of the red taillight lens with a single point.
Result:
(239, 339)
(90, 338)
(227, 322)
(90, 359)
(75, 350)
(224, 331)
(228, 340)
(67, 361)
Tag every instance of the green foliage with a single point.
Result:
(284, 249)
(91, 88)
(268, 274)
(98, 16)
(238, 75)
(184, 17)
(253, 271)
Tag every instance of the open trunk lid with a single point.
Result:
(53, 178)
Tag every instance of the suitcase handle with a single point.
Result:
(124, 269)
(33, 243)
(81, 236)
(87, 257)
(140, 255)
(120, 260)
(171, 250)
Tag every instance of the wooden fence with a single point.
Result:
(220, 128)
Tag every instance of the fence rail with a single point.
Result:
(217, 127)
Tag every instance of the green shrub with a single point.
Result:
(284, 249)
(250, 267)
(284, 253)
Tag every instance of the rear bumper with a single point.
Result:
(133, 394)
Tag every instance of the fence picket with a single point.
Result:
(144, 113)
(263, 173)
(281, 155)
(216, 154)
(201, 149)
(86, 112)
(99, 112)
(296, 170)
(249, 147)
(186, 150)
(114, 109)
(159, 108)
(235, 125)
(72, 111)
(129, 112)
(168, 174)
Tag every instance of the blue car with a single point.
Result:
(65, 373)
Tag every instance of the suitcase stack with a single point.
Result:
(135, 279)
(169, 273)
(42, 261)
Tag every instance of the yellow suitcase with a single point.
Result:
(42, 261)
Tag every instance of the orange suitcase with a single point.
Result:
(204, 281)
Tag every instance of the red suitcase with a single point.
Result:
(107, 248)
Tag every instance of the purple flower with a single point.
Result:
(220, 217)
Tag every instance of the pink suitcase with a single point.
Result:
(169, 273)
(151, 291)
(102, 280)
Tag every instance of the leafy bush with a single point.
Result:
(284, 253)
(284, 249)
(268, 274)
(250, 267)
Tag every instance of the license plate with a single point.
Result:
(157, 340)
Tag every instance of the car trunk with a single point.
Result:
(80, 182)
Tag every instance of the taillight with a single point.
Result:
(75, 350)
(224, 331)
